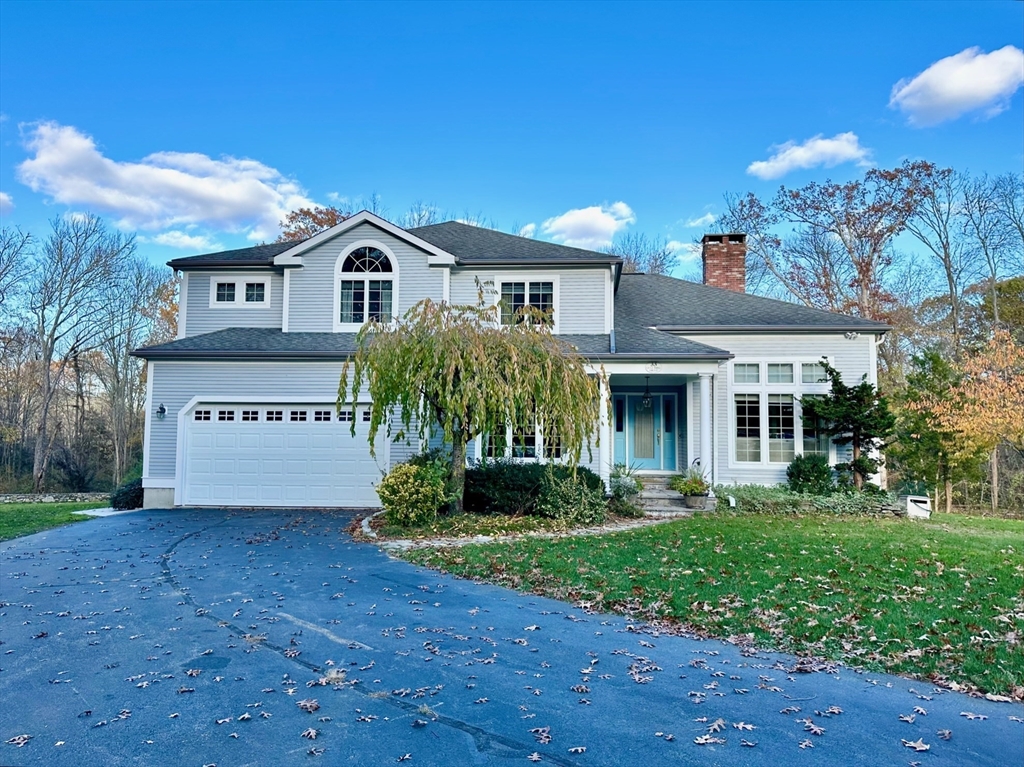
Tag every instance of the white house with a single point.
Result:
(240, 409)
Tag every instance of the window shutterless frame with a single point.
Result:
(240, 291)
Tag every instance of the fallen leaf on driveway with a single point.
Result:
(917, 745)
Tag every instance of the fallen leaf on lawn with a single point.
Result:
(972, 716)
(945, 734)
(748, 743)
(717, 726)
(19, 740)
(578, 750)
(534, 757)
(917, 745)
(806, 744)
(743, 726)
(310, 733)
(308, 705)
(908, 718)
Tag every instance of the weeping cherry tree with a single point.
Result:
(458, 369)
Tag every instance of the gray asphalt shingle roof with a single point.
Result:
(258, 254)
(647, 300)
(475, 244)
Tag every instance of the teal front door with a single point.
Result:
(650, 439)
(645, 432)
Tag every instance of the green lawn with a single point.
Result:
(17, 519)
(942, 599)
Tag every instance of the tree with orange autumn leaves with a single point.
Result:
(985, 408)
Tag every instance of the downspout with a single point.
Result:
(611, 341)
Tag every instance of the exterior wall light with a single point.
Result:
(161, 411)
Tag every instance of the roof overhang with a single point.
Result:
(535, 262)
(248, 354)
(292, 256)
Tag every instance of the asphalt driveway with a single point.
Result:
(190, 637)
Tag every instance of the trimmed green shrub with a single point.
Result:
(510, 487)
(758, 499)
(810, 474)
(570, 498)
(412, 495)
(128, 496)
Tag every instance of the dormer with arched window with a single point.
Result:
(365, 286)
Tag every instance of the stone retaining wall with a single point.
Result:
(53, 497)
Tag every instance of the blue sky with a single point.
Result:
(198, 124)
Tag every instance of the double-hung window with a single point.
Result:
(366, 287)
(516, 295)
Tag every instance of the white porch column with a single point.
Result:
(705, 425)
(604, 435)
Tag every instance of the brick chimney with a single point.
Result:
(725, 261)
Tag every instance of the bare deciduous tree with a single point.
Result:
(14, 244)
(68, 288)
(641, 253)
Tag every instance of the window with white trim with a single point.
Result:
(816, 441)
(366, 287)
(275, 415)
(201, 415)
(251, 292)
(346, 416)
(322, 416)
(297, 416)
(225, 415)
(250, 416)
(225, 292)
(366, 415)
(255, 292)
(517, 295)
(748, 427)
(781, 428)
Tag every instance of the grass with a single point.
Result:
(468, 525)
(18, 519)
(941, 599)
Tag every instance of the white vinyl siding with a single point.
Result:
(201, 317)
(311, 299)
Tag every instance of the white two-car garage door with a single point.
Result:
(279, 455)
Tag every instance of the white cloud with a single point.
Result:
(685, 252)
(528, 231)
(162, 190)
(706, 220)
(338, 199)
(967, 82)
(814, 152)
(592, 227)
(178, 239)
(6, 203)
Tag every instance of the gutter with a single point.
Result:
(536, 261)
(206, 354)
(717, 329)
(182, 264)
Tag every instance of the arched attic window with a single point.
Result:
(366, 287)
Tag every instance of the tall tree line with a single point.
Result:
(73, 304)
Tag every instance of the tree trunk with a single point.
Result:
(948, 489)
(995, 479)
(458, 472)
(858, 480)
